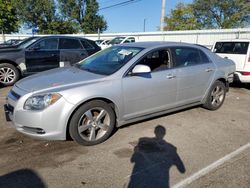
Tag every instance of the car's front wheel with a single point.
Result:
(9, 74)
(92, 123)
(216, 96)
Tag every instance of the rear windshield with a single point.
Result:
(231, 47)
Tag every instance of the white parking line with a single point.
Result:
(210, 167)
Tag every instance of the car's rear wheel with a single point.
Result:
(216, 96)
(9, 74)
(92, 123)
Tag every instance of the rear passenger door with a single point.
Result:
(194, 74)
(71, 51)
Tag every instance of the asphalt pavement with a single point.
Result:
(160, 152)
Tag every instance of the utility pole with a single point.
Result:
(144, 25)
(163, 6)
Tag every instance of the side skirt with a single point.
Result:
(148, 116)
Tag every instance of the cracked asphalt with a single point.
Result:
(135, 156)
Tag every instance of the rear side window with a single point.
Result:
(86, 45)
(204, 57)
(69, 44)
(186, 56)
(231, 47)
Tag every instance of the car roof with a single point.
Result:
(63, 36)
(159, 44)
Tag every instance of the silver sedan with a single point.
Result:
(116, 86)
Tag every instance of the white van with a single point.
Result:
(237, 50)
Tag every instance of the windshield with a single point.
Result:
(116, 40)
(108, 61)
(27, 42)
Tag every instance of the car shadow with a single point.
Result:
(153, 158)
(22, 179)
(240, 85)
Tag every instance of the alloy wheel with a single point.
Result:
(93, 124)
(217, 96)
(7, 75)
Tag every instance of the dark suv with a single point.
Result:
(42, 54)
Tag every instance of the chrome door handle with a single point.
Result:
(209, 70)
(170, 76)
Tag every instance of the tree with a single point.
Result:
(84, 13)
(35, 13)
(181, 18)
(222, 14)
(8, 19)
(42, 14)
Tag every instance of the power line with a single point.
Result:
(120, 4)
(106, 2)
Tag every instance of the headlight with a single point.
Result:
(40, 102)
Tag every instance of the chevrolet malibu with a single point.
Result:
(119, 85)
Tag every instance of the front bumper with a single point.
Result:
(8, 112)
(48, 124)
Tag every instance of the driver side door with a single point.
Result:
(43, 55)
(150, 92)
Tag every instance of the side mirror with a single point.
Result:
(139, 69)
(35, 48)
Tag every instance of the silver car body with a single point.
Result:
(133, 97)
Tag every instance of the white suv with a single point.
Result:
(237, 50)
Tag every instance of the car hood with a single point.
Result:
(9, 49)
(57, 79)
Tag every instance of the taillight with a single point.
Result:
(245, 73)
(249, 59)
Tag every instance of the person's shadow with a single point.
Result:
(153, 158)
(23, 178)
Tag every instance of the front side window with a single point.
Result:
(186, 56)
(69, 44)
(109, 61)
(157, 60)
(231, 47)
(47, 44)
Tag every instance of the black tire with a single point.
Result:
(102, 126)
(12, 76)
(213, 101)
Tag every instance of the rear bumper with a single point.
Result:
(238, 77)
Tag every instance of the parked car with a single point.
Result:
(43, 54)
(26, 41)
(119, 85)
(118, 40)
(104, 44)
(237, 50)
(99, 41)
(10, 42)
